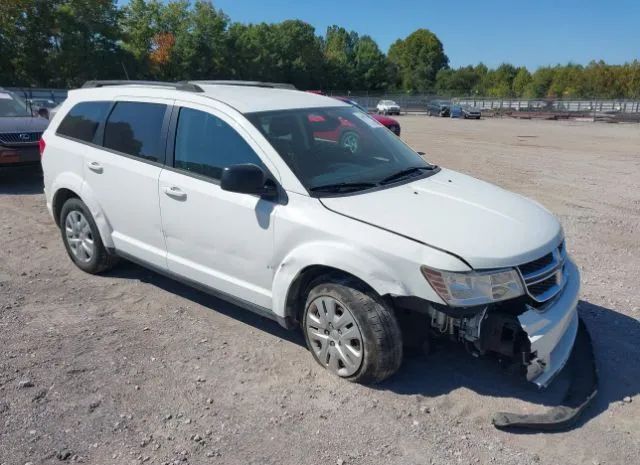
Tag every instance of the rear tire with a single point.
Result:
(82, 239)
(351, 331)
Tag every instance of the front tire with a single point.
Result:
(351, 331)
(82, 239)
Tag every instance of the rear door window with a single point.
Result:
(135, 128)
(83, 120)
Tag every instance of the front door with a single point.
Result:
(218, 238)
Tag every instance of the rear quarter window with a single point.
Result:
(83, 120)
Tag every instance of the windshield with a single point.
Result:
(12, 105)
(338, 147)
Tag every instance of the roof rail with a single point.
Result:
(182, 85)
(271, 85)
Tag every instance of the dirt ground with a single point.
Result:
(132, 367)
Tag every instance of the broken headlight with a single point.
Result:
(474, 288)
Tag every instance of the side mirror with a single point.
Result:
(43, 113)
(247, 179)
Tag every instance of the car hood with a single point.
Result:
(22, 124)
(385, 120)
(485, 225)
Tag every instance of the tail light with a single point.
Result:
(41, 146)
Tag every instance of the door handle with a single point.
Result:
(95, 166)
(175, 192)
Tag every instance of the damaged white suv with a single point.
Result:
(246, 191)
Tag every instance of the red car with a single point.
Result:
(389, 123)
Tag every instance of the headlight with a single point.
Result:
(474, 288)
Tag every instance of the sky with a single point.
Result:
(528, 33)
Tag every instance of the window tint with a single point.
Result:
(83, 120)
(136, 129)
(206, 144)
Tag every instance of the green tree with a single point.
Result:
(86, 41)
(419, 57)
(540, 83)
(520, 82)
(26, 28)
(206, 52)
(339, 55)
(499, 82)
(371, 67)
(458, 82)
(284, 52)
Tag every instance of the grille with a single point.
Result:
(20, 138)
(536, 265)
(544, 277)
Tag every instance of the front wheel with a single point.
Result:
(351, 331)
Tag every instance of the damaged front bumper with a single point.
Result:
(552, 330)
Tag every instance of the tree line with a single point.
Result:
(62, 43)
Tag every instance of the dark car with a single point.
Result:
(439, 108)
(469, 112)
(389, 123)
(20, 131)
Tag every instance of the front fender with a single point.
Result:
(344, 257)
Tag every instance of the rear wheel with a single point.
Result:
(82, 239)
(351, 331)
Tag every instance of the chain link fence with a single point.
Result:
(595, 109)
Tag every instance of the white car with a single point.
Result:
(388, 107)
(242, 191)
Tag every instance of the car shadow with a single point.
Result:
(129, 270)
(614, 336)
(450, 367)
(21, 180)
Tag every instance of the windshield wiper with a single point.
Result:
(343, 186)
(406, 173)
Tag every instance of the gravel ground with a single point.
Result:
(132, 367)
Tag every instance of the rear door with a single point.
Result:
(123, 174)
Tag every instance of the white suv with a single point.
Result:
(246, 192)
(388, 107)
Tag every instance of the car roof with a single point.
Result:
(244, 98)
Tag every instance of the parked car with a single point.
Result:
(231, 189)
(388, 107)
(439, 108)
(387, 122)
(469, 112)
(20, 131)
